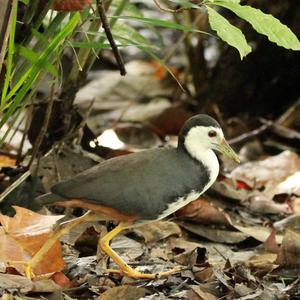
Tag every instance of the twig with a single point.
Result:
(246, 136)
(5, 21)
(14, 185)
(281, 130)
(166, 9)
(27, 125)
(175, 47)
(44, 128)
(106, 27)
(289, 116)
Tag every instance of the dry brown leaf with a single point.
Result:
(198, 294)
(125, 292)
(295, 203)
(260, 233)
(270, 243)
(45, 286)
(291, 222)
(258, 202)
(202, 211)
(15, 282)
(160, 253)
(268, 173)
(127, 248)
(215, 234)
(157, 231)
(6, 161)
(288, 255)
(23, 235)
(290, 185)
(71, 5)
(62, 280)
(192, 257)
(228, 187)
(262, 261)
(242, 290)
(204, 274)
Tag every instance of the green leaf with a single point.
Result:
(265, 24)
(161, 23)
(40, 36)
(33, 57)
(228, 33)
(129, 33)
(25, 83)
(130, 9)
(11, 50)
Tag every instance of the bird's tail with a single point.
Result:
(48, 198)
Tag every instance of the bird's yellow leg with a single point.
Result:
(62, 230)
(124, 267)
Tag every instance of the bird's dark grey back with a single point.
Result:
(141, 184)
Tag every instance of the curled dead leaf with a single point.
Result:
(7, 161)
(202, 211)
(23, 235)
(289, 251)
(125, 292)
(269, 173)
(197, 293)
(157, 231)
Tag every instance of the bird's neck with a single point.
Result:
(204, 156)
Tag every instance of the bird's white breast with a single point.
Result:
(210, 161)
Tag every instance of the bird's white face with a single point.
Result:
(202, 138)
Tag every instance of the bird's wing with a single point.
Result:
(141, 184)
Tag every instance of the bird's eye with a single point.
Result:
(212, 133)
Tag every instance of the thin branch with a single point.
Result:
(106, 27)
(44, 128)
(14, 185)
(251, 134)
(26, 129)
(166, 9)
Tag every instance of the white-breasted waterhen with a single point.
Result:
(142, 187)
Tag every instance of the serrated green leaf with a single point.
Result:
(228, 33)
(265, 24)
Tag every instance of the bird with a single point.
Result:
(142, 187)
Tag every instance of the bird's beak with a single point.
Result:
(224, 148)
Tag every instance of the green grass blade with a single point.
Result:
(161, 23)
(11, 50)
(33, 57)
(35, 69)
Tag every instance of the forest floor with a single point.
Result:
(241, 240)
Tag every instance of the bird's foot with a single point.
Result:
(139, 275)
(28, 268)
